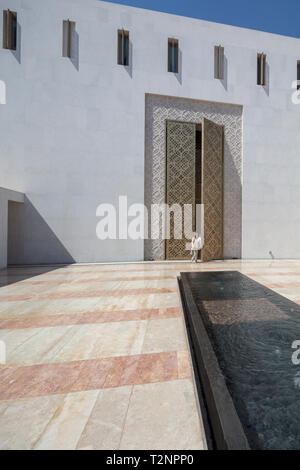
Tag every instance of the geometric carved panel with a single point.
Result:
(158, 110)
(212, 190)
(180, 183)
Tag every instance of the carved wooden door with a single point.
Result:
(180, 181)
(212, 189)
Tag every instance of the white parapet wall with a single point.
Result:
(6, 196)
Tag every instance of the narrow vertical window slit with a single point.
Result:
(123, 47)
(10, 27)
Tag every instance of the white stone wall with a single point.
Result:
(72, 132)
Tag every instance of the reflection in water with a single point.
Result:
(252, 330)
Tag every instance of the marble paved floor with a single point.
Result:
(97, 358)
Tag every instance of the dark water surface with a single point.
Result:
(252, 329)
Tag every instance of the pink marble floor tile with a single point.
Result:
(169, 312)
(157, 367)
(93, 373)
(119, 368)
(86, 293)
(87, 317)
(49, 379)
(95, 280)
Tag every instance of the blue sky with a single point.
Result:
(274, 16)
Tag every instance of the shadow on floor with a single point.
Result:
(14, 274)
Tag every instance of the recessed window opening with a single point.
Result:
(219, 62)
(68, 30)
(173, 55)
(298, 75)
(10, 30)
(261, 69)
(123, 47)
